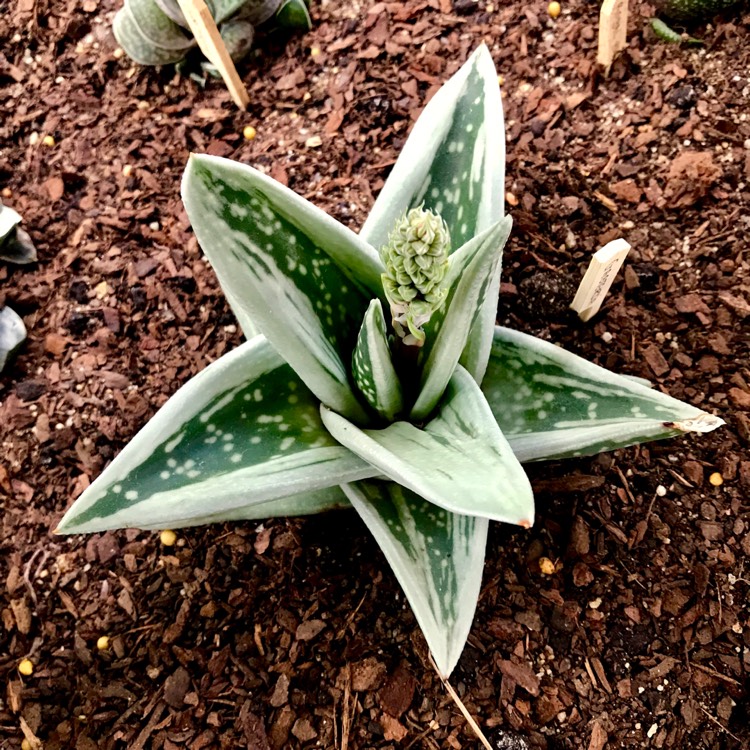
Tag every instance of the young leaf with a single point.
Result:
(287, 267)
(372, 368)
(437, 557)
(293, 14)
(244, 431)
(157, 27)
(453, 161)
(459, 461)
(551, 404)
(12, 334)
(471, 274)
(136, 46)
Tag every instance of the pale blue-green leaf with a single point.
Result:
(459, 461)
(244, 431)
(136, 46)
(157, 27)
(372, 367)
(550, 403)
(12, 334)
(453, 161)
(437, 557)
(171, 9)
(471, 278)
(293, 14)
(288, 268)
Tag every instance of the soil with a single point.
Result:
(294, 633)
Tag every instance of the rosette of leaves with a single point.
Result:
(155, 32)
(326, 406)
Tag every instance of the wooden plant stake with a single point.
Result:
(207, 35)
(600, 274)
(613, 27)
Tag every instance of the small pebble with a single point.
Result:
(26, 667)
(7, 192)
(511, 199)
(314, 51)
(554, 9)
(716, 479)
(25, 744)
(102, 643)
(607, 337)
(661, 490)
(249, 133)
(118, 53)
(168, 538)
(34, 138)
(48, 141)
(546, 566)
(127, 170)
(154, 226)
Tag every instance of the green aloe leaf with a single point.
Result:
(372, 367)
(157, 27)
(453, 161)
(12, 334)
(437, 557)
(459, 461)
(293, 14)
(137, 47)
(552, 404)
(257, 12)
(471, 277)
(287, 267)
(244, 431)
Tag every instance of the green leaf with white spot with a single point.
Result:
(454, 160)
(243, 432)
(550, 403)
(460, 461)
(137, 47)
(157, 27)
(372, 367)
(437, 557)
(287, 267)
(472, 278)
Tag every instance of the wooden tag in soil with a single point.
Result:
(207, 35)
(613, 28)
(600, 274)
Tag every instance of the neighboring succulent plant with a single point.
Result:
(155, 32)
(15, 244)
(693, 10)
(325, 407)
(16, 247)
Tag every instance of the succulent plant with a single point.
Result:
(328, 406)
(12, 334)
(15, 244)
(693, 10)
(155, 32)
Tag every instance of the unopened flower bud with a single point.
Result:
(416, 261)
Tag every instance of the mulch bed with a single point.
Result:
(294, 633)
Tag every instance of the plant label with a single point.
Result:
(600, 274)
(613, 27)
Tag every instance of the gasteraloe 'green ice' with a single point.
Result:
(325, 406)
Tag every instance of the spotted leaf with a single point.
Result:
(454, 160)
(287, 267)
(157, 27)
(472, 277)
(460, 461)
(437, 557)
(137, 47)
(550, 403)
(372, 368)
(243, 432)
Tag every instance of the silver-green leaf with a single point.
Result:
(551, 403)
(157, 27)
(12, 334)
(454, 159)
(137, 47)
(460, 461)
(372, 367)
(471, 278)
(244, 431)
(287, 267)
(437, 557)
